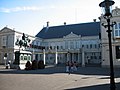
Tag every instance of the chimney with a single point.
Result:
(116, 7)
(64, 23)
(13, 28)
(48, 24)
(94, 20)
(6, 26)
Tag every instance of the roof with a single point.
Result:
(6, 29)
(83, 29)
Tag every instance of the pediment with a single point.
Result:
(116, 12)
(72, 35)
(5, 30)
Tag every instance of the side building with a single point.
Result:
(115, 39)
(8, 47)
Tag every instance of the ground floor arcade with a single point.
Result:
(60, 57)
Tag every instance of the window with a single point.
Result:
(36, 42)
(91, 57)
(25, 57)
(77, 45)
(71, 45)
(54, 47)
(29, 57)
(61, 47)
(117, 30)
(90, 45)
(57, 47)
(119, 25)
(99, 45)
(99, 57)
(4, 40)
(82, 45)
(21, 57)
(95, 57)
(93, 54)
(66, 45)
(87, 46)
(116, 26)
(117, 52)
(95, 46)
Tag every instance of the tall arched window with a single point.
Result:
(117, 30)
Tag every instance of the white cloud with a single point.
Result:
(16, 9)
(4, 10)
(34, 8)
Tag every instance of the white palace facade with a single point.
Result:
(86, 43)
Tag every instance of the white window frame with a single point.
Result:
(117, 30)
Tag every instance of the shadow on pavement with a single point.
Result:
(97, 71)
(96, 87)
(48, 70)
(61, 69)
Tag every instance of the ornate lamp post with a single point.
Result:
(106, 4)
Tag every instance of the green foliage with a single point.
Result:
(34, 64)
(41, 64)
(28, 66)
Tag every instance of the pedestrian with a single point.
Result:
(69, 63)
(67, 66)
(72, 66)
(75, 66)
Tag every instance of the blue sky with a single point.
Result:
(30, 16)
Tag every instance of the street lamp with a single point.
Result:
(106, 5)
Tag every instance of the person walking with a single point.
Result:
(75, 66)
(67, 66)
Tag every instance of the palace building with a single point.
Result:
(75, 42)
(85, 43)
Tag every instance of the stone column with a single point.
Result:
(73, 59)
(56, 54)
(44, 56)
(78, 57)
(33, 55)
(83, 58)
(67, 56)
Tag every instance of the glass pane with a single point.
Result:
(117, 52)
(119, 32)
(116, 26)
(116, 32)
(82, 45)
(95, 46)
(25, 57)
(119, 26)
(71, 45)
(86, 46)
(28, 57)
(21, 58)
(90, 45)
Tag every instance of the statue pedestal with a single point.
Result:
(21, 58)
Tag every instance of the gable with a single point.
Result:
(72, 35)
(116, 12)
(6, 30)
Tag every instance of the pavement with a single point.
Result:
(55, 78)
